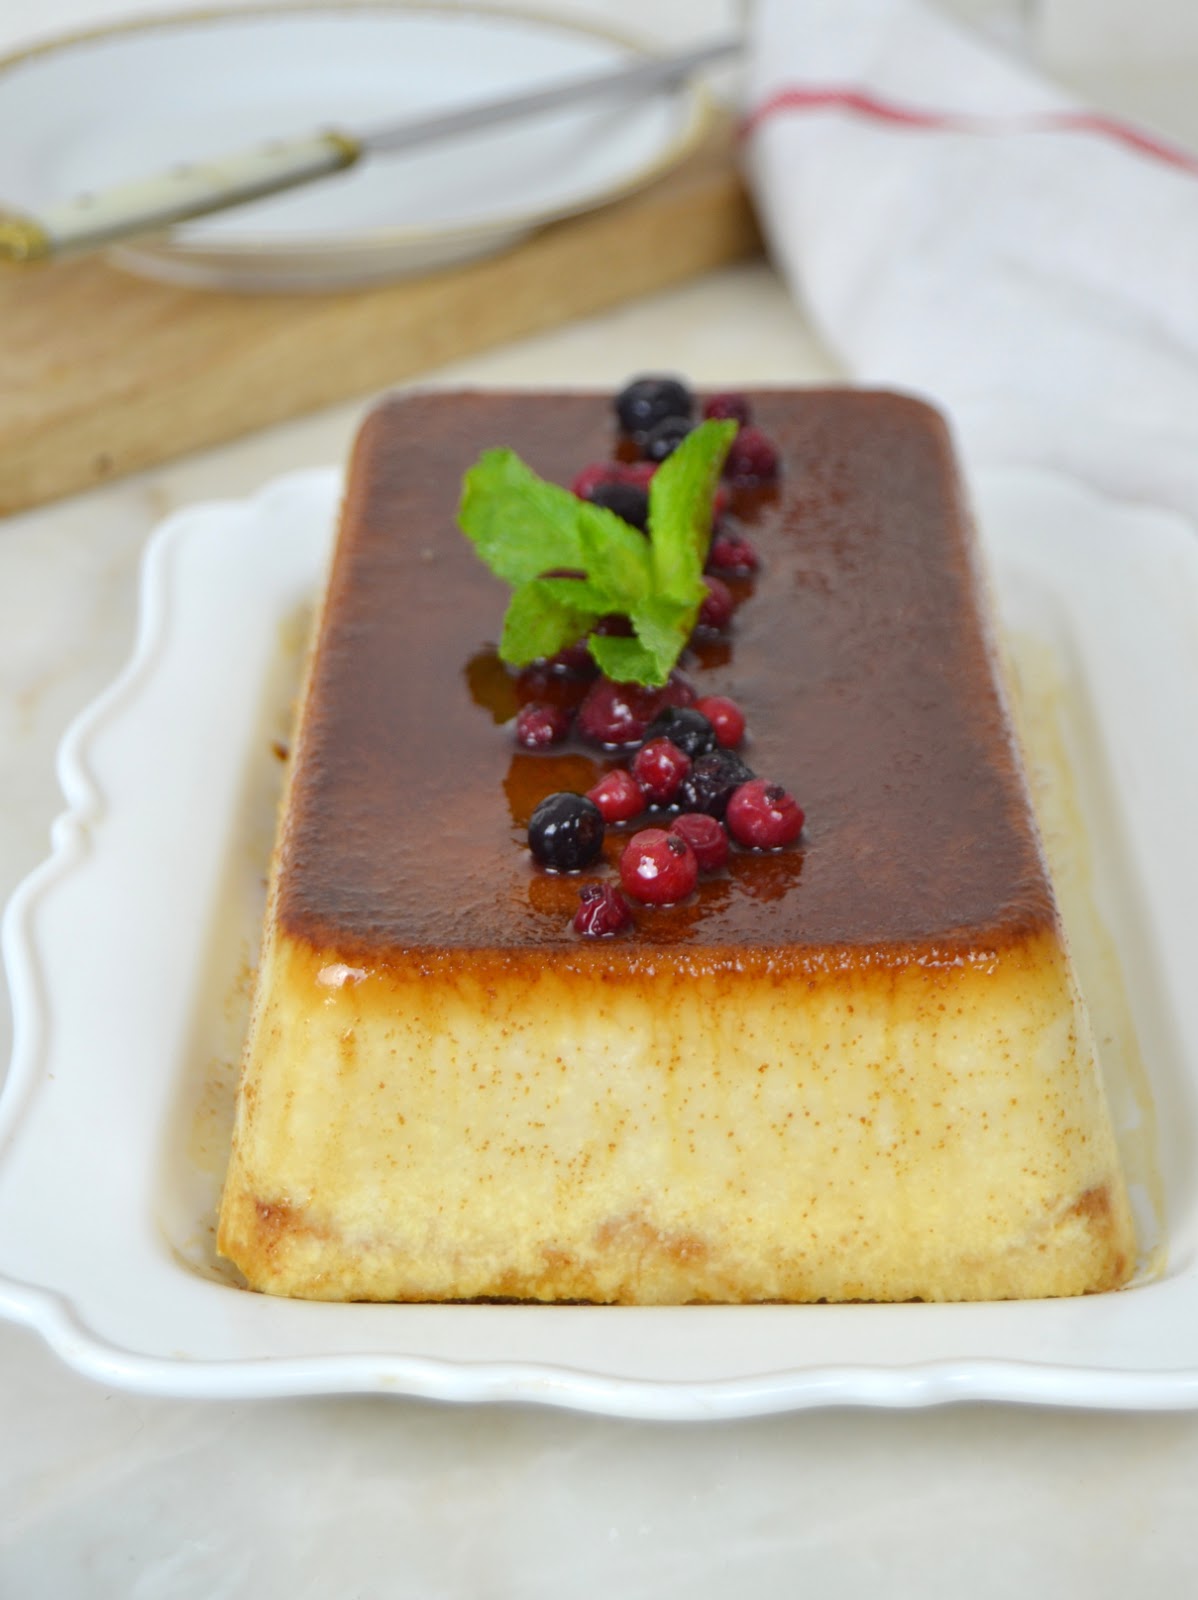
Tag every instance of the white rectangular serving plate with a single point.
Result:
(129, 953)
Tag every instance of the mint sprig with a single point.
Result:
(570, 562)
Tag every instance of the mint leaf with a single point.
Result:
(615, 556)
(625, 660)
(539, 623)
(520, 525)
(523, 527)
(526, 530)
(680, 497)
(663, 627)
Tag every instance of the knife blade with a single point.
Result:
(202, 188)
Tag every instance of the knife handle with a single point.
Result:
(187, 191)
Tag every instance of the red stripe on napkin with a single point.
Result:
(864, 104)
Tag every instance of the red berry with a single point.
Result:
(722, 406)
(614, 626)
(678, 691)
(659, 767)
(539, 725)
(591, 477)
(637, 473)
(716, 610)
(619, 713)
(752, 459)
(763, 816)
(726, 718)
(618, 796)
(602, 911)
(575, 661)
(658, 867)
(719, 502)
(705, 837)
(731, 552)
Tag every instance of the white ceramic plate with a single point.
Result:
(114, 105)
(128, 954)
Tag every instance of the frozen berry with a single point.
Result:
(722, 407)
(710, 783)
(663, 440)
(625, 499)
(726, 718)
(731, 551)
(566, 832)
(614, 626)
(752, 459)
(602, 911)
(646, 401)
(618, 796)
(658, 867)
(764, 816)
(686, 727)
(615, 714)
(539, 725)
(575, 661)
(637, 473)
(706, 838)
(716, 610)
(591, 476)
(659, 767)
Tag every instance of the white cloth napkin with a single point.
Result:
(1025, 267)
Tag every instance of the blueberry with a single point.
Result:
(689, 730)
(626, 500)
(566, 832)
(645, 402)
(665, 438)
(709, 784)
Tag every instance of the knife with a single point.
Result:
(201, 188)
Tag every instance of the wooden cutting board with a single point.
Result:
(102, 373)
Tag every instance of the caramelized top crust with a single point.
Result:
(859, 655)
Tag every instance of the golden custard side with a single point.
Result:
(857, 1069)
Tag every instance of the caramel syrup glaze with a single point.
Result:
(859, 654)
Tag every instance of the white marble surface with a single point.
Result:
(105, 1494)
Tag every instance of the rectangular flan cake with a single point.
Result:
(854, 1069)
